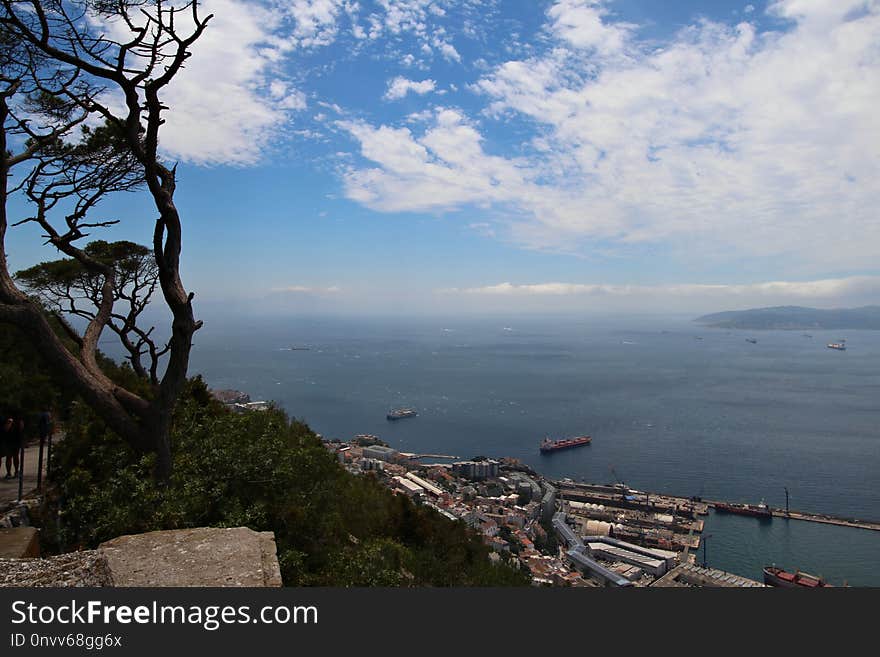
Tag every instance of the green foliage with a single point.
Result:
(263, 471)
(125, 257)
(546, 541)
(24, 381)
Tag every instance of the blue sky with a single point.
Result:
(468, 155)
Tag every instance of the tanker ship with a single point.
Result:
(755, 510)
(548, 445)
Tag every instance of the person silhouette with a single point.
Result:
(9, 445)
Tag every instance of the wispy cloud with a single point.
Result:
(825, 289)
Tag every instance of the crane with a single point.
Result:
(618, 482)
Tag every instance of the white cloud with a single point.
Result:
(399, 87)
(420, 19)
(229, 101)
(315, 21)
(581, 23)
(446, 49)
(401, 16)
(825, 289)
(443, 168)
(724, 143)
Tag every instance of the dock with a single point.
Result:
(681, 528)
(648, 519)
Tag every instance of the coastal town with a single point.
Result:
(562, 533)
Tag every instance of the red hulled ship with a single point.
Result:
(778, 577)
(755, 510)
(548, 445)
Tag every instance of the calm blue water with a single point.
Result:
(717, 417)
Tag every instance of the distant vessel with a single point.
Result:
(755, 510)
(548, 445)
(840, 346)
(752, 340)
(400, 413)
(778, 577)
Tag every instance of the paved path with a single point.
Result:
(9, 487)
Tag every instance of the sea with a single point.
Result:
(672, 406)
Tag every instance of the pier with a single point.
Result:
(820, 517)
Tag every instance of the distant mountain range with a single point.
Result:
(795, 318)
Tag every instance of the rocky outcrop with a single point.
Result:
(88, 568)
(203, 556)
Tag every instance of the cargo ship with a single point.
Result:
(774, 576)
(400, 413)
(548, 445)
(755, 510)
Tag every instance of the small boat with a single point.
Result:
(400, 413)
(774, 576)
(752, 340)
(840, 346)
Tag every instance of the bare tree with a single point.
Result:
(68, 289)
(60, 70)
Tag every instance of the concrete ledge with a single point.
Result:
(19, 543)
(203, 556)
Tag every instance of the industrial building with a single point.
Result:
(409, 487)
(566, 532)
(608, 552)
(427, 485)
(687, 575)
(381, 453)
(653, 560)
(594, 569)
